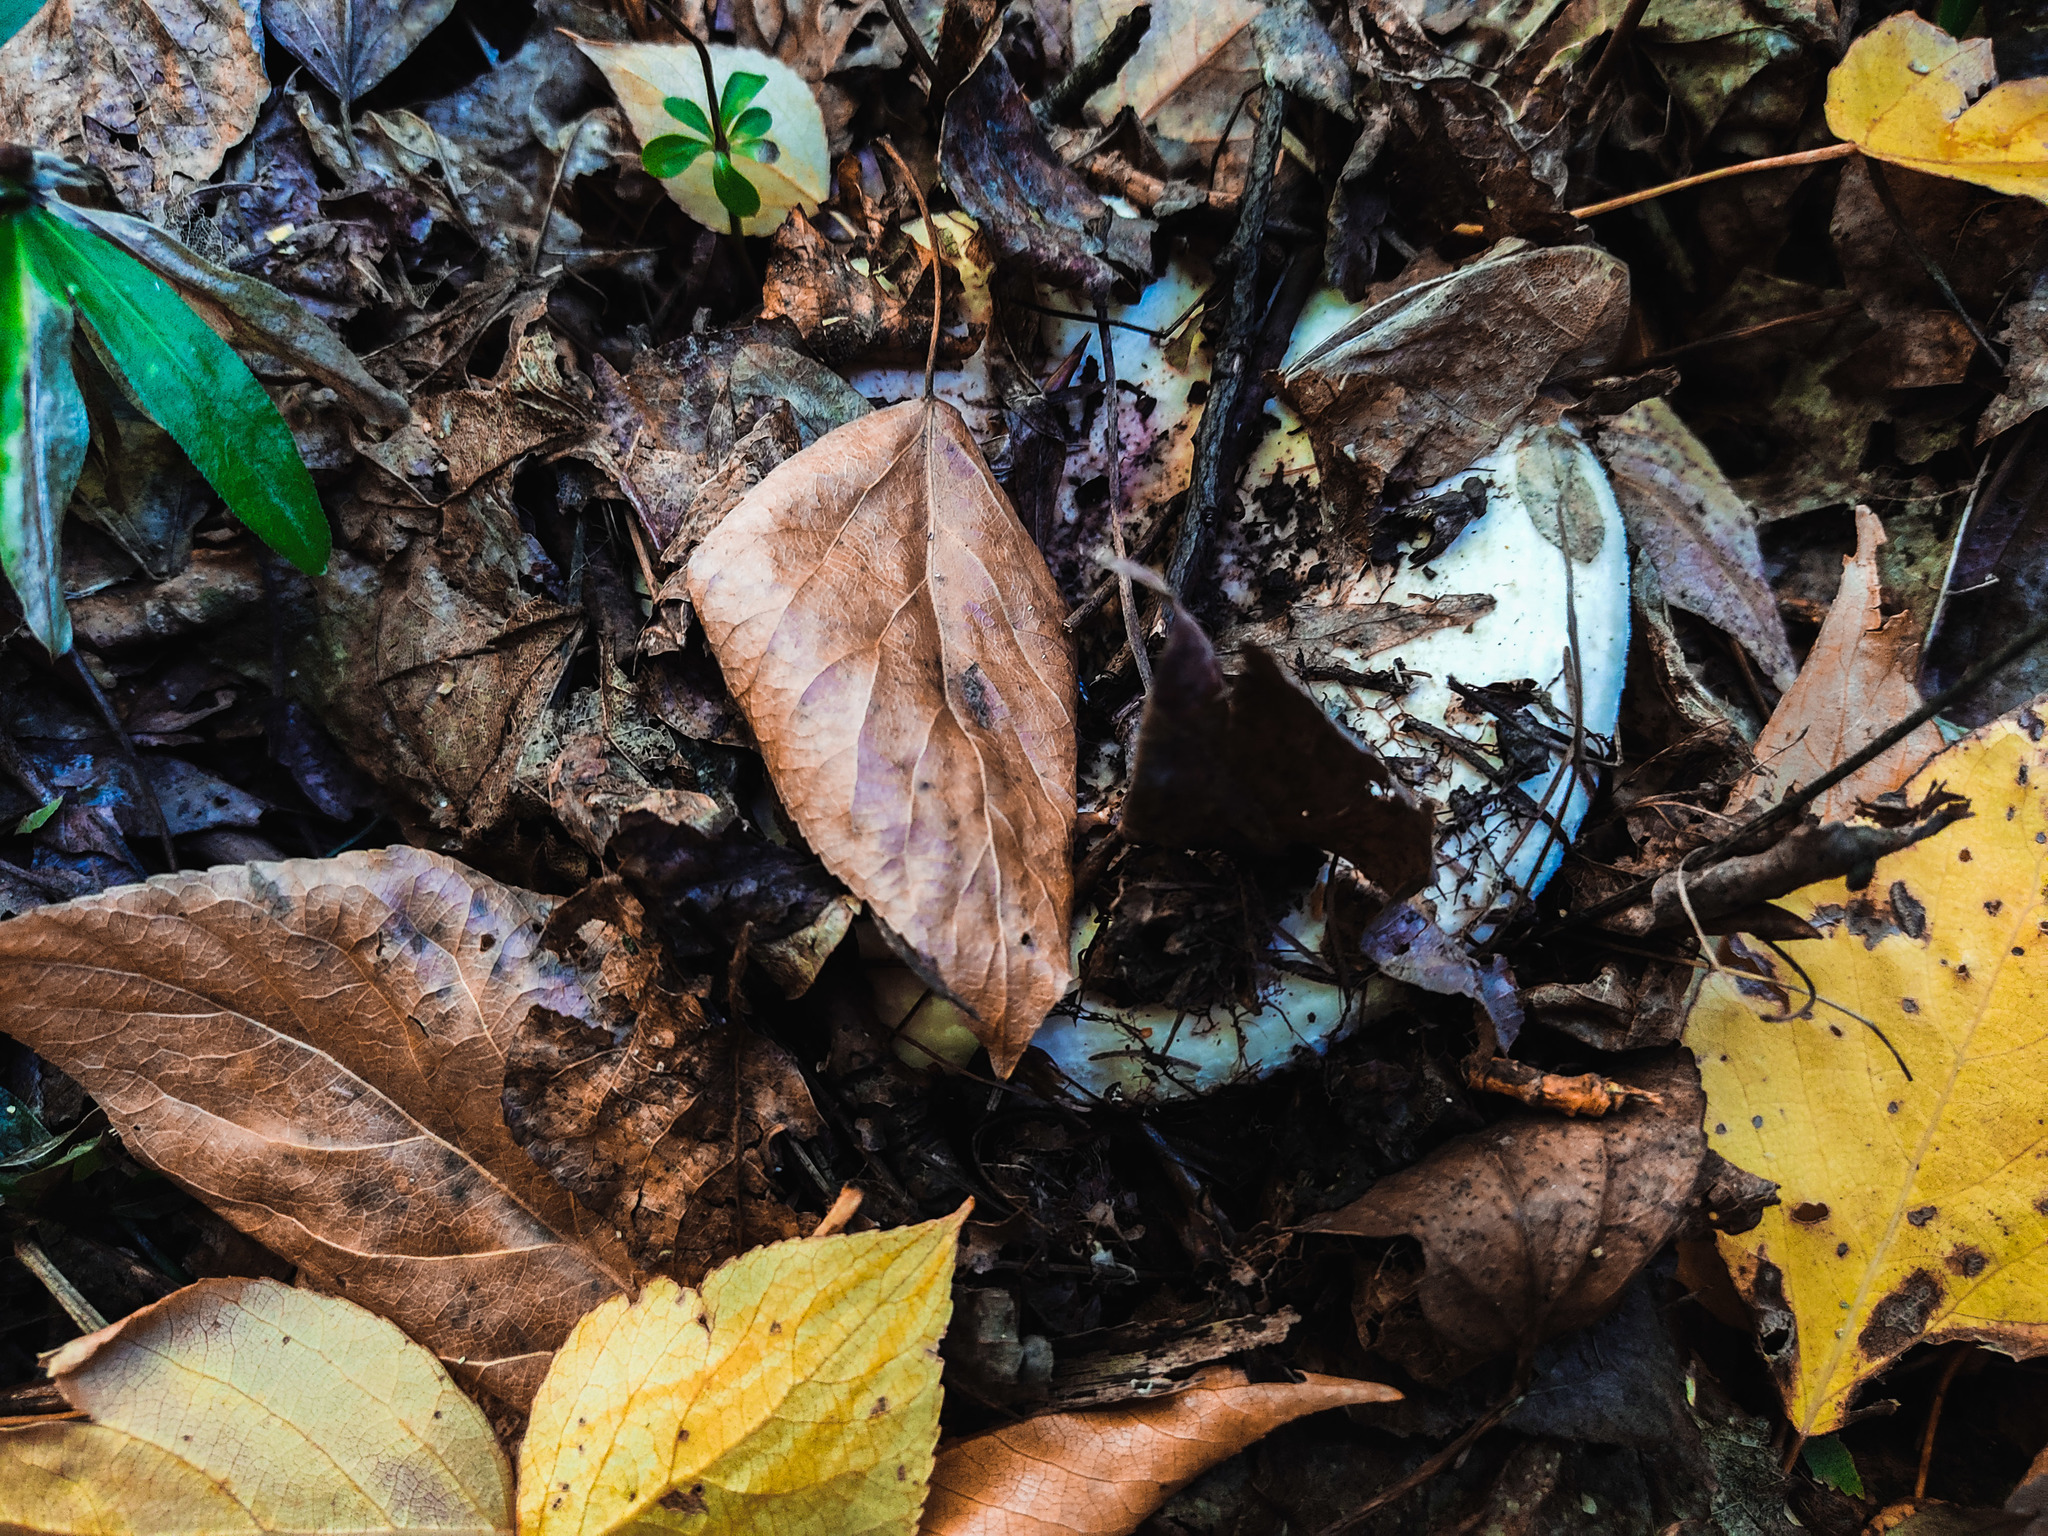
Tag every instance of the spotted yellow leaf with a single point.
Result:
(1914, 1208)
(1909, 93)
(248, 1406)
(797, 1395)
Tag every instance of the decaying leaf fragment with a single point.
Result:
(1102, 1472)
(893, 637)
(1909, 93)
(316, 1049)
(1528, 1230)
(1419, 386)
(350, 45)
(250, 1406)
(798, 1392)
(1915, 1208)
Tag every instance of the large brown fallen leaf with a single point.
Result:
(1101, 1473)
(250, 1406)
(1857, 683)
(1915, 1208)
(1909, 93)
(1528, 1230)
(316, 1049)
(798, 1392)
(893, 637)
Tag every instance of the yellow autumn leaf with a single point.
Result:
(250, 1406)
(1905, 93)
(645, 75)
(1913, 1210)
(798, 1395)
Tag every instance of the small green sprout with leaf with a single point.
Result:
(741, 132)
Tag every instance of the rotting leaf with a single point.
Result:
(893, 637)
(350, 45)
(1934, 1200)
(1420, 385)
(1102, 1472)
(845, 310)
(1532, 1228)
(316, 1049)
(1192, 67)
(1909, 93)
(799, 1391)
(1252, 764)
(251, 1406)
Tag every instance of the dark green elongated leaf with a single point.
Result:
(43, 435)
(192, 384)
(16, 14)
(741, 87)
(671, 154)
(734, 190)
(688, 113)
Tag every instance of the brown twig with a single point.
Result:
(1948, 1374)
(1091, 74)
(1113, 450)
(145, 792)
(1882, 186)
(1618, 40)
(919, 54)
(1436, 1463)
(1748, 167)
(1749, 332)
(931, 353)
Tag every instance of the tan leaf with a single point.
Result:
(248, 1406)
(1195, 62)
(178, 80)
(316, 1049)
(1857, 683)
(1102, 1472)
(893, 637)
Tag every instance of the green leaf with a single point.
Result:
(192, 384)
(1830, 1462)
(753, 123)
(734, 191)
(689, 114)
(740, 88)
(16, 14)
(671, 155)
(43, 435)
(35, 819)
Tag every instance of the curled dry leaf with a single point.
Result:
(1528, 1230)
(1857, 683)
(1909, 93)
(250, 1406)
(316, 1049)
(893, 638)
(793, 172)
(1915, 1208)
(1102, 1472)
(1419, 386)
(798, 1392)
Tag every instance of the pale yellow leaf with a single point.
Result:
(1909, 93)
(1914, 1210)
(643, 75)
(249, 1406)
(798, 1395)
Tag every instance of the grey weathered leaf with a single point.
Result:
(350, 45)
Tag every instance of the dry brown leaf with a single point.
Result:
(1195, 63)
(852, 306)
(893, 637)
(1101, 1473)
(316, 1049)
(153, 92)
(1528, 1230)
(350, 45)
(1856, 685)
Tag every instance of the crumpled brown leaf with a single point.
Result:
(847, 312)
(893, 637)
(1423, 383)
(316, 1049)
(1529, 1229)
(182, 79)
(1102, 1472)
(349, 45)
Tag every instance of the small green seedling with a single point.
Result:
(742, 129)
(56, 272)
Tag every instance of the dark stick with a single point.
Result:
(1921, 254)
(1063, 101)
(145, 792)
(1241, 259)
(1113, 451)
(1618, 40)
(919, 54)
(1436, 1463)
(1962, 688)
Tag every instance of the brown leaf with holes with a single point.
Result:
(1529, 1229)
(316, 1049)
(1102, 1472)
(893, 637)
(1857, 684)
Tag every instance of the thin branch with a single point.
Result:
(1064, 100)
(1772, 163)
(1113, 450)
(1618, 41)
(931, 352)
(919, 54)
